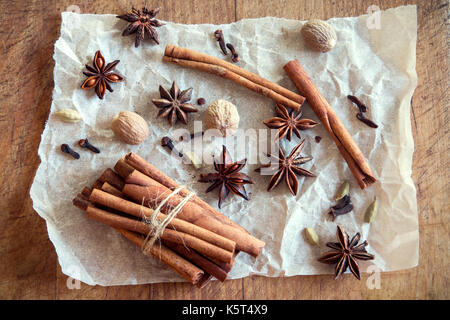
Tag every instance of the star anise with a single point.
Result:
(346, 252)
(173, 104)
(287, 168)
(228, 178)
(288, 122)
(99, 76)
(142, 23)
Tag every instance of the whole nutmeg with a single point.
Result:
(130, 127)
(222, 115)
(319, 35)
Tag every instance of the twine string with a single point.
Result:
(157, 227)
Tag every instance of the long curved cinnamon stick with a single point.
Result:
(197, 60)
(352, 154)
(227, 74)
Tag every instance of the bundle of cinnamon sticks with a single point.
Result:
(199, 243)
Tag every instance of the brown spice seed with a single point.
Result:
(91, 82)
(201, 101)
(114, 77)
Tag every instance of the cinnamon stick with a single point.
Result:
(112, 178)
(140, 164)
(80, 202)
(123, 169)
(352, 154)
(205, 264)
(112, 190)
(169, 235)
(227, 266)
(125, 206)
(224, 73)
(200, 61)
(97, 184)
(153, 194)
(186, 269)
(86, 192)
(137, 177)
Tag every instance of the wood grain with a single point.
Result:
(29, 268)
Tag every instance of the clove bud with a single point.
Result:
(191, 136)
(167, 142)
(219, 36)
(362, 109)
(361, 106)
(234, 55)
(66, 149)
(344, 206)
(368, 122)
(84, 143)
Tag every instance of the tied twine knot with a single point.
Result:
(157, 227)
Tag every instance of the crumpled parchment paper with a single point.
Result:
(377, 65)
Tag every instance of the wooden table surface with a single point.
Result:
(29, 266)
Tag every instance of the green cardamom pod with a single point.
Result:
(68, 115)
(311, 236)
(342, 191)
(371, 211)
(194, 159)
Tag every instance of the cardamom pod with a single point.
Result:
(196, 162)
(371, 211)
(68, 115)
(311, 236)
(342, 191)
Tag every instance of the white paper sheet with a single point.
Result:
(377, 65)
